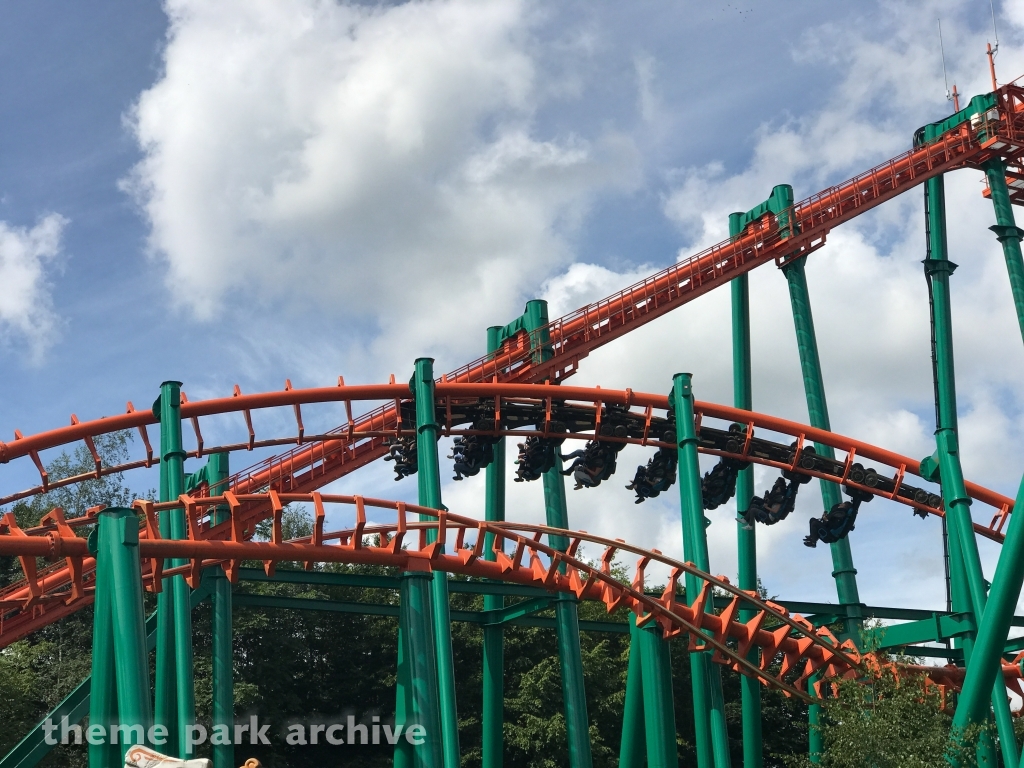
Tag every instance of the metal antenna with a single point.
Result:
(991, 51)
(942, 54)
(995, 32)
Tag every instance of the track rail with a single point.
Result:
(23, 610)
(315, 463)
(574, 336)
(519, 555)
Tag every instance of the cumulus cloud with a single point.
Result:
(26, 309)
(384, 162)
(363, 159)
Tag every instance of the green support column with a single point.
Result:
(708, 706)
(165, 707)
(417, 674)
(814, 387)
(746, 535)
(566, 614)
(172, 484)
(118, 543)
(1008, 233)
(967, 561)
(574, 698)
(983, 681)
(103, 693)
(429, 475)
(220, 590)
(659, 707)
(493, 711)
(403, 691)
(815, 740)
(631, 748)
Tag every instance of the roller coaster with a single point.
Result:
(193, 544)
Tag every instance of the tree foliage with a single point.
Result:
(888, 721)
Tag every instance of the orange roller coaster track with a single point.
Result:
(520, 377)
(25, 607)
(802, 649)
(575, 335)
(520, 557)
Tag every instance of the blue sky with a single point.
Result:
(243, 192)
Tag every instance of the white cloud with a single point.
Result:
(385, 162)
(26, 308)
(365, 160)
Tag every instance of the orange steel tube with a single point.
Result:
(843, 443)
(76, 432)
(690, 619)
(632, 307)
(79, 431)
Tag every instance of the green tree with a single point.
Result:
(885, 720)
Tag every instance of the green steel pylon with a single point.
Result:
(708, 706)
(429, 478)
(659, 706)
(419, 679)
(983, 674)
(119, 639)
(631, 746)
(493, 710)
(967, 577)
(223, 693)
(746, 535)
(175, 684)
(817, 409)
(567, 625)
(966, 571)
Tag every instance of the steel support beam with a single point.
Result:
(103, 693)
(403, 754)
(574, 695)
(76, 705)
(631, 746)
(175, 684)
(217, 473)
(245, 600)
(118, 544)
(843, 571)
(815, 737)
(659, 707)
(746, 535)
(574, 698)
(418, 698)
(937, 629)
(429, 475)
(1008, 232)
(418, 689)
(493, 710)
(968, 585)
(708, 705)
